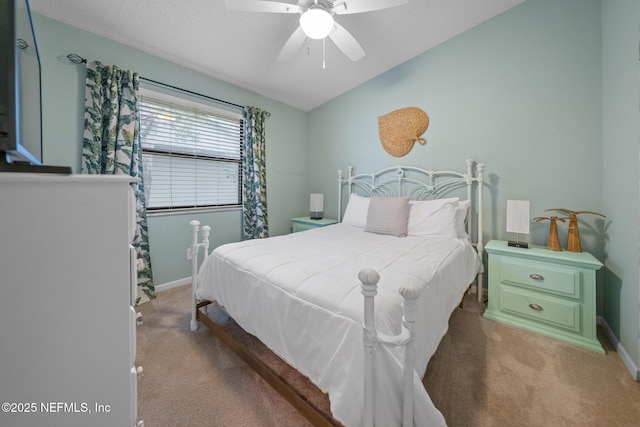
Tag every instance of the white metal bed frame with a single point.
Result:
(389, 182)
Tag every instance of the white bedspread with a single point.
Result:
(300, 295)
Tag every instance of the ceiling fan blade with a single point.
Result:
(346, 43)
(358, 6)
(292, 45)
(261, 6)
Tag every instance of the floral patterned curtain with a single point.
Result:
(254, 182)
(111, 146)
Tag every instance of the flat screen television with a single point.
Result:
(20, 92)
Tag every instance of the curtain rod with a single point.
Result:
(77, 59)
(192, 93)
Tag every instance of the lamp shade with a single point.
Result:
(316, 205)
(316, 23)
(518, 216)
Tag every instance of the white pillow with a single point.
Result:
(461, 218)
(388, 215)
(437, 218)
(356, 212)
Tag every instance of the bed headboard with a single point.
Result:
(420, 184)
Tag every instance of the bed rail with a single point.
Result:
(192, 254)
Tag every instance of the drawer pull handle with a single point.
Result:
(535, 307)
(536, 276)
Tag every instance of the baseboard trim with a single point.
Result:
(173, 284)
(622, 353)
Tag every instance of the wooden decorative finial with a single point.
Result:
(573, 236)
(553, 242)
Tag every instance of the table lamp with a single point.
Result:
(316, 205)
(518, 221)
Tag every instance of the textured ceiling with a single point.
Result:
(242, 47)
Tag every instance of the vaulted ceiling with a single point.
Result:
(241, 48)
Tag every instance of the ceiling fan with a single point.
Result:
(316, 20)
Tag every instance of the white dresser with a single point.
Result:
(67, 282)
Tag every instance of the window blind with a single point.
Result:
(192, 154)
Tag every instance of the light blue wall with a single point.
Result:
(520, 93)
(63, 108)
(621, 130)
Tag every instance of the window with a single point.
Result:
(191, 152)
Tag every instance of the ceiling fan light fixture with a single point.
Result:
(316, 23)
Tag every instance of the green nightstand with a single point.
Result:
(306, 223)
(549, 292)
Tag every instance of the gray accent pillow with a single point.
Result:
(388, 215)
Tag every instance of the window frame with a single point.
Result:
(204, 105)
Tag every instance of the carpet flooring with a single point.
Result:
(483, 374)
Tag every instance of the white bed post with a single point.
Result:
(369, 279)
(349, 189)
(340, 195)
(409, 322)
(480, 248)
(193, 256)
(350, 179)
(469, 194)
(406, 338)
(206, 231)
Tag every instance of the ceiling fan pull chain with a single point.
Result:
(324, 64)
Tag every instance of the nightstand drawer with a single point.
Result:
(542, 308)
(297, 226)
(540, 276)
(306, 223)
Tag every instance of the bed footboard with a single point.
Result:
(369, 279)
(192, 254)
